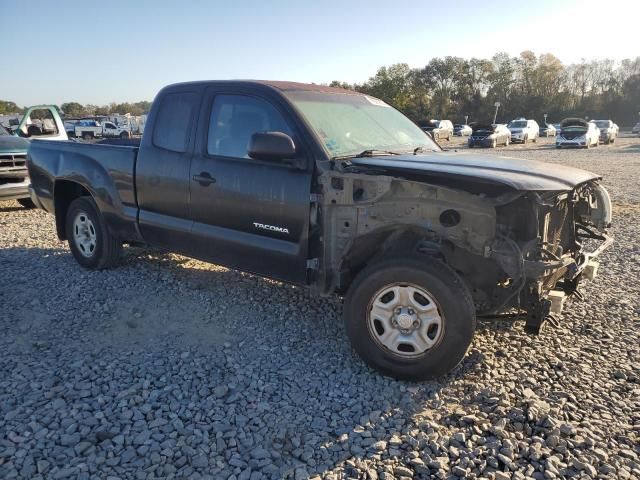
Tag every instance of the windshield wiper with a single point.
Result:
(367, 153)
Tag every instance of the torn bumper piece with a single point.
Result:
(552, 282)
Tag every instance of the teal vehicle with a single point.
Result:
(41, 121)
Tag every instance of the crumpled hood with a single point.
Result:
(528, 175)
(11, 144)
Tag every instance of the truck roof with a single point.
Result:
(283, 86)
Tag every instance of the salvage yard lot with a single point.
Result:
(167, 366)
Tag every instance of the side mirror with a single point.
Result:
(271, 146)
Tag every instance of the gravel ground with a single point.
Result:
(167, 367)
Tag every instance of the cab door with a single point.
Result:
(162, 170)
(249, 214)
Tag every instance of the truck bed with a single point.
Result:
(105, 171)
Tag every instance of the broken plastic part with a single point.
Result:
(591, 270)
(557, 298)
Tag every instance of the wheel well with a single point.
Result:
(65, 192)
(380, 243)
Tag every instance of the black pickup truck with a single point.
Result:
(338, 191)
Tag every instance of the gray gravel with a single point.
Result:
(168, 367)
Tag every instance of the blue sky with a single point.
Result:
(114, 50)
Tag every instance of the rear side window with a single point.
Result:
(235, 118)
(171, 130)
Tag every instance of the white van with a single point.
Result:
(523, 130)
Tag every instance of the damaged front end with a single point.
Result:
(516, 250)
(548, 264)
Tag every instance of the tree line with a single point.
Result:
(75, 109)
(526, 85)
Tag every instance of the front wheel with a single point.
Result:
(411, 317)
(91, 243)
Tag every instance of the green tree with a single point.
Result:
(73, 109)
(7, 107)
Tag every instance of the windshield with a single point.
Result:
(518, 124)
(602, 123)
(350, 124)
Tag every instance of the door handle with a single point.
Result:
(204, 179)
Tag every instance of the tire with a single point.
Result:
(124, 135)
(494, 143)
(454, 309)
(26, 203)
(525, 140)
(106, 249)
(87, 136)
(507, 141)
(535, 140)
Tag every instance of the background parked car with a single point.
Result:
(523, 130)
(547, 130)
(636, 128)
(110, 129)
(440, 129)
(558, 128)
(577, 132)
(88, 129)
(462, 130)
(608, 131)
(489, 135)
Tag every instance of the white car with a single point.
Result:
(110, 129)
(88, 129)
(523, 130)
(608, 131)
(462, 130)
(576, 132)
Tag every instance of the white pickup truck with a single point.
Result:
(89, 129)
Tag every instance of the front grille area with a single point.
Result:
(572, 135)
(13, 160)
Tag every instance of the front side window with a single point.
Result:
(348, 124)
(235, 118)
(171, 130)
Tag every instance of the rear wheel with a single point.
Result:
(124, 135)
(410, 317)
(89, 239)
(87, 136)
